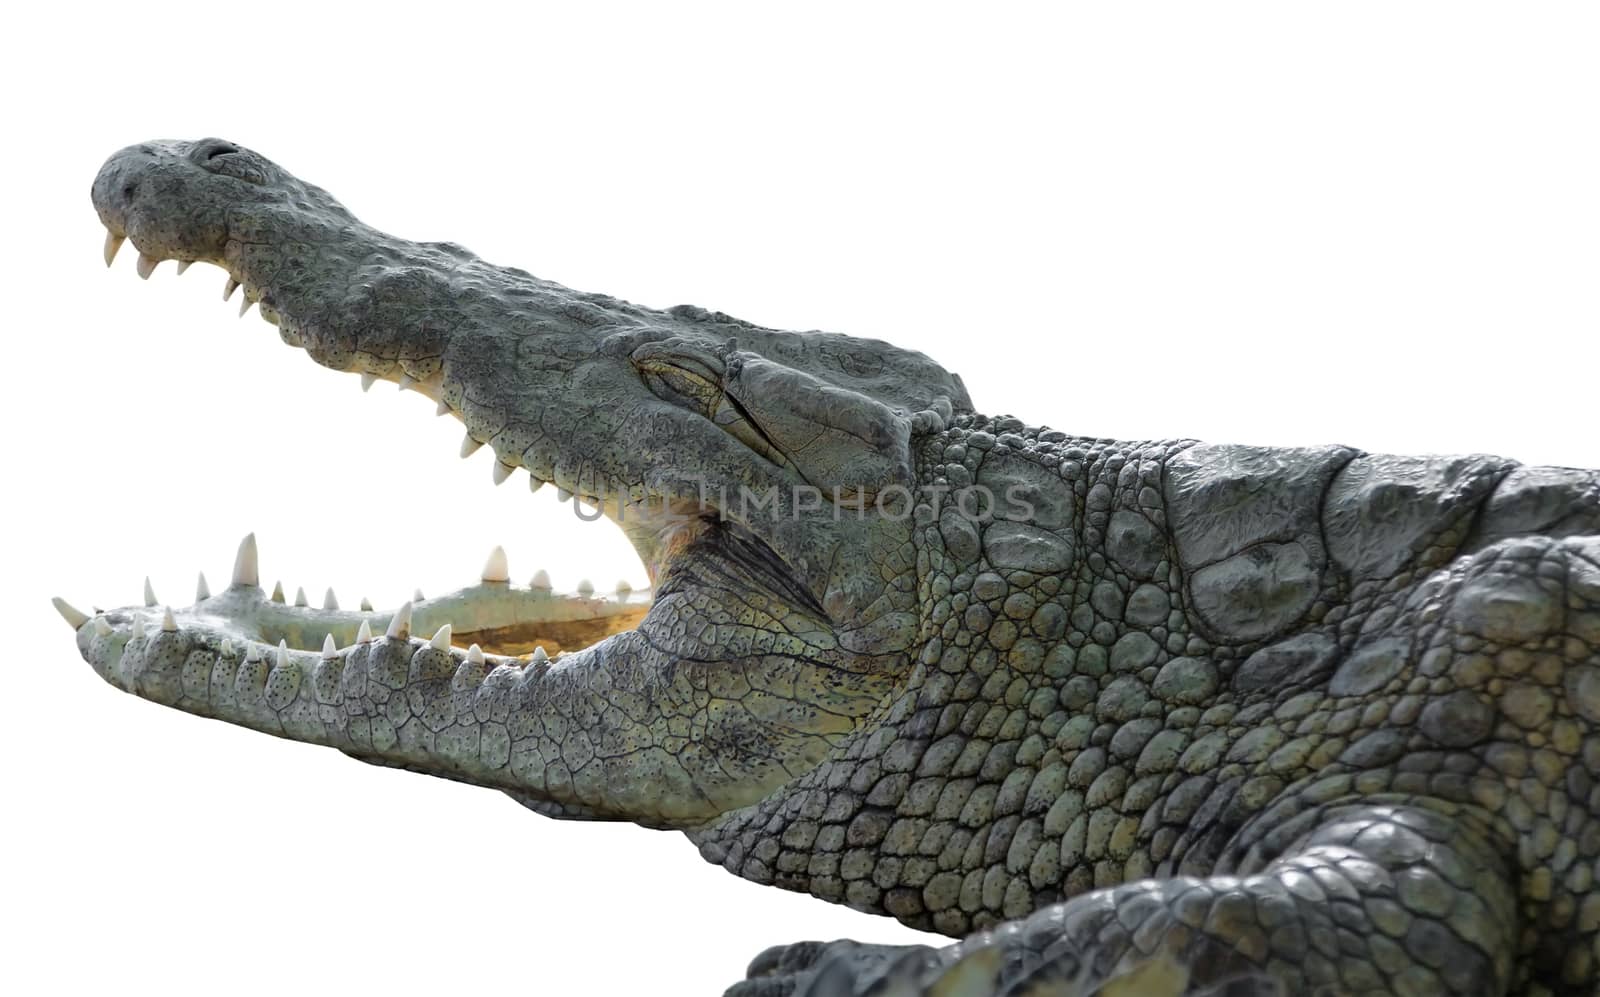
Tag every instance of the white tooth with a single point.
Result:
(227, 647)
(244, 305)
(416, 595)
(102, 627)
(469, 446)
(534, 484)
(495, 569)
(329, 601)
(366, 604)
(562, 495)
(364, 633)
(541, 580)
(442, 408)
(329, 650)
(624, 589)
(300, 597)
(149, 593)
(146, 266)
(368, 379)
(400, 626)
(586, 588)
(502, 472)
(475, 654)
(202, 591)
(277, 592)
(245, 564)
(136, 630)
(283, 654)
(539, 656)
(169, 624)
(113, 243)
(441, 639)
(251, 651)
(228, 288)
(74, 616)
(406, 381)
(183, 265)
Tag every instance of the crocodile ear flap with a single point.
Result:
(841, 441)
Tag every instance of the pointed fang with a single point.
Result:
(586, 588)
(406, 381)
(202, 591)
(228, 289)
(496, 568)
(113, 243)
(168, 624)
(149, 593)
(540, 656)
(146, 266)
(368, 379)
(183, 265)
(534, 484)
(502, 472)
(366, 604)
(244, 305)
(469, 446)
(416, 595)
(475, 654)
(330, 601)
(442, 408)
(245, 564)
(277, 592)
(364, 633)
(283, 654)
(441, 639)
(400, 626)
(329, 649)
(74, 616)
(102, 627)
(541, 580)
(300, 597)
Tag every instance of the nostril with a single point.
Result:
(128, 190)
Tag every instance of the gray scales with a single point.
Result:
(1153, 717)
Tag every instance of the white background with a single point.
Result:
(1375, 224)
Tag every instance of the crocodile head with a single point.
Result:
(766, 479)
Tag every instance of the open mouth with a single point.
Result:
(772, 626)
(495, 618)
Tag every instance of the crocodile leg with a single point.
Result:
(1405, 897)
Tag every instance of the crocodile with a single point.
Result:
(1118, 717)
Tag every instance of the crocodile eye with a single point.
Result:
(682, 375)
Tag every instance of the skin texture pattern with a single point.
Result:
(1156, 717)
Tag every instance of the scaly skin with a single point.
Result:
(1162, 717)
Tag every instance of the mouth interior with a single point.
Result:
(554, 637)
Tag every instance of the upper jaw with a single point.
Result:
(540, 375)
